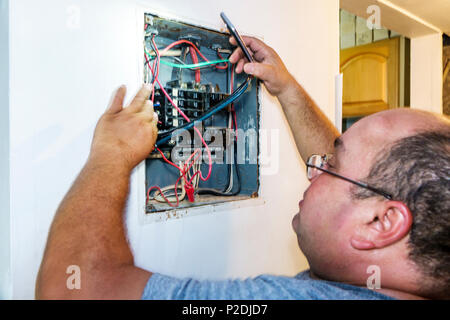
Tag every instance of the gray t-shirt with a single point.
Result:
(265, 287)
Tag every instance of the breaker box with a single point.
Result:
(198, 161)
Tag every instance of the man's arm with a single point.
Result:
(88, 228)
(313, 132)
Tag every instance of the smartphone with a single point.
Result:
(236, 35)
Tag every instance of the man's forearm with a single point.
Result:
(88, 228)
(313, 132)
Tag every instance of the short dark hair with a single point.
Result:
(416, 171)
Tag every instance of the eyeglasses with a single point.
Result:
(315, 166)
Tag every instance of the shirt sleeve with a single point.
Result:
(265, 287)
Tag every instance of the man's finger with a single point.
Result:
(141, 97)
(116, 104)
(155, 119)
(236, 55)
(148, 111)
(260, 70)
(256, 47)
(240, 66)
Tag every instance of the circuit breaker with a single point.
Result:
(207, 149)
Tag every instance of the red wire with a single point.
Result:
(164, 197)
(170, 162)
(157, 70)
(170, 46)
(225, 66)
(188, 120)
(196, 130)
(189, 159)
(182, 171)
(195, 61)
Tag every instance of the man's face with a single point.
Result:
(327, 214)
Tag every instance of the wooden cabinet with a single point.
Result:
(371, 78)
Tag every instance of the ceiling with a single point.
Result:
(412, 18)
(436, 12)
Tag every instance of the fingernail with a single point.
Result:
(248, 68)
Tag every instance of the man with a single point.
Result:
(381, 201)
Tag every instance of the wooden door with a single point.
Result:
(371, 78)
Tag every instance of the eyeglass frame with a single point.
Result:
(325, 158)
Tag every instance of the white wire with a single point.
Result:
(158, 197)
(231, 182)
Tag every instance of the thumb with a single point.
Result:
(116, 104)
(259, 70)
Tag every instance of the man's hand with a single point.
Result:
(268, 66)
(313, 132)
(126, 135)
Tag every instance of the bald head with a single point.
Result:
(373, 134)
(399, 123)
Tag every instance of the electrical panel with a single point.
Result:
(207, 149)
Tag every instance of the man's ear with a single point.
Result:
(390, 223)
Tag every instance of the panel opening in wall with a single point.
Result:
(194, 78)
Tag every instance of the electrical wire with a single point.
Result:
(155, 64)
(192, 126)
(192, 66)
(162, 195)
(225, 194)
(195, 61)
(183, 41)
(230, 167)
(228, 190)
(176, 131)
(224, 67)
(198, 174)
(170, 46)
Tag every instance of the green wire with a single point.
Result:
(190, 66)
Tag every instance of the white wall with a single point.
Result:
(61, 79)
(5, 257)
(426, 73)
